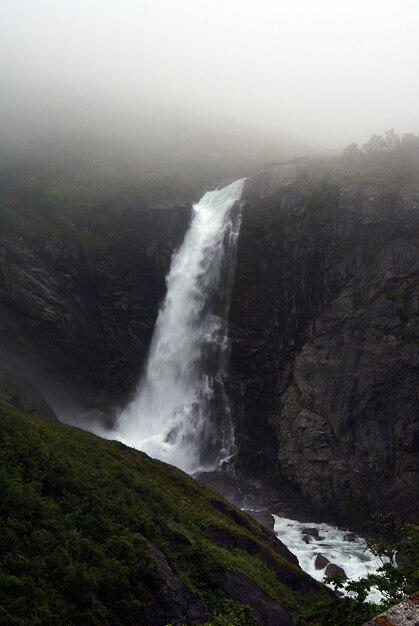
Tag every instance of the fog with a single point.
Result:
(310, 73)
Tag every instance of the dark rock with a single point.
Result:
(307, 538)
(350, 537)
(264, 518)
(79, 316)
(324, 373)
(405, 613)
(336, 571)
(313, 532)
(267, 612)
(321, 561)
(175, 604)
(23, 396)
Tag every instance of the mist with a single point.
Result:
(161, 73)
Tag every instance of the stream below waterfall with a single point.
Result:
(334, 545)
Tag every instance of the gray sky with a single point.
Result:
(327, 72)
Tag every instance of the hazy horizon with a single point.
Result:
(320, 74)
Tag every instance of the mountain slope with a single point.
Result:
(93, 532)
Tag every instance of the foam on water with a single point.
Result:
(352, 556)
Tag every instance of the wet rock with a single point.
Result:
(336, 571)
(313, 532)
(264, 518)
(325, 372)
(350, 537)
(321, 561)
(80, 315)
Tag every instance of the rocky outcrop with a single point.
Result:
(321, 561)
(335, 571)
(405, 613)
(266, 611)
(325, 341)
(23, 396)
(174, 603)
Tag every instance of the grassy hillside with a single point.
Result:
(85, 524)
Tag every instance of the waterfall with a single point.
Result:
(181, 412)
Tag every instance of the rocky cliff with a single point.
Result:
(325, 334)
(78, 302)
(323, 322)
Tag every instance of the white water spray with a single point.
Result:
(181, 412)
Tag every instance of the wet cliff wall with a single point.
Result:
(78, 302)
(325, 339)
(323, 322)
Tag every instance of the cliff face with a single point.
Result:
(79, 311)
(325, 334)
(323, 323)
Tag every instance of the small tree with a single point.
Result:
(376, 143)
(392, 140)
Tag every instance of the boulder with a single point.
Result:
(314, 532)
(321, 561)
(336, 571)
(263, 517)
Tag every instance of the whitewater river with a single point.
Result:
(352, 556)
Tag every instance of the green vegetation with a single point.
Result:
(390, 161)
(79, 195)
(387, 163)
(78, 514)
(75, 190)
(230, 613)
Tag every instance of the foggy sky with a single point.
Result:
(326, 72)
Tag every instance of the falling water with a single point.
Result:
(181, 413)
